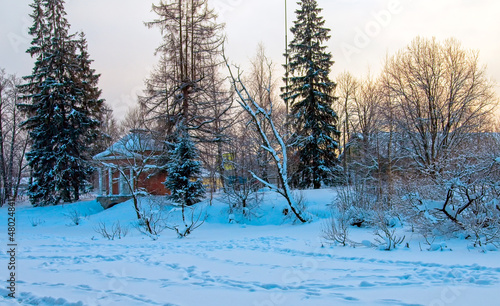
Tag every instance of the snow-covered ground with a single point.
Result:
(266, 261)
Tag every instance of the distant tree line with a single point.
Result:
(428, 116)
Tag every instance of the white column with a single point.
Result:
(110, 181)
(99, 192)
(121, 182)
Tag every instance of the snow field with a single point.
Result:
(280, 263)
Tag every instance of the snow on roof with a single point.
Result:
(131, 146)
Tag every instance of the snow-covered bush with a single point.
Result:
(357, 205)
(358, 202)
(482, 223)
(472, 204)
(387, 237)
(425, 218)
(243, 197)
(336, 228)
(159, 214)
(465, 203)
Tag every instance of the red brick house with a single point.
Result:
(130, 165)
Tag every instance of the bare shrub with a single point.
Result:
(464, 202)
(196, 219)
(350, 208)
(153, 218)
(35, 221)
(115, 231)
(336, 230)
(75, 216)
(421, 209)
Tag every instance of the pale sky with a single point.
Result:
(363, 33)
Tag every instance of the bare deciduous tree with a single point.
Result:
(262, 86)
(182, 85)
(134, 120)
(13, 140)
(347, 88)
(440, 94)
(273, 142)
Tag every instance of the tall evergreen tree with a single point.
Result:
(310, 96)
(63, 107)
(92, 108)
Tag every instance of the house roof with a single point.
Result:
(133, 145)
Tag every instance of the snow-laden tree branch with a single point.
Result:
(259, 116)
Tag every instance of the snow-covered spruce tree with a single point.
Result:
(62, 105)
(184, 171)
(309, 95)
(92, 109)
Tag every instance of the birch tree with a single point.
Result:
(272, 142)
